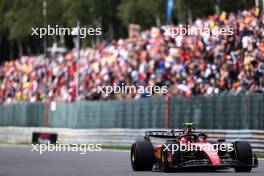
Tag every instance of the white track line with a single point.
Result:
(15, 145)
(115, 150)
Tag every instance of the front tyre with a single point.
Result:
(244, 155)
(142, 156)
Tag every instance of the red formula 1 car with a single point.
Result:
(189, 149)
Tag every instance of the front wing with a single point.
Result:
(225, 163)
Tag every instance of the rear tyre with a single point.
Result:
(174, 154)
(142, 156)
(164, 166)
(243, 154)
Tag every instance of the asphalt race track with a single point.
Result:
(21, 161)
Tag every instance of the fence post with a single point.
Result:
(46, 113)
(167, 116)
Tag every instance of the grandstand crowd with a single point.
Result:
(187, 65)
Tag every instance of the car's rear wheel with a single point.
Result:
(142, 156)
(175, 155)
(164, 161)
(244, 155)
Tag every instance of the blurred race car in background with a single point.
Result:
(189, 149)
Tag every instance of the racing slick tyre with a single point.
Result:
(142, 156)
(175, 155)
(243, 154)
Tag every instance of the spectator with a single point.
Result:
(188, 65)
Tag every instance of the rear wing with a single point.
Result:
(164, 134)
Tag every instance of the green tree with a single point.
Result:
(19, 18)
(92, 13)
(144, 12)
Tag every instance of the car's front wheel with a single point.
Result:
(244, 155)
